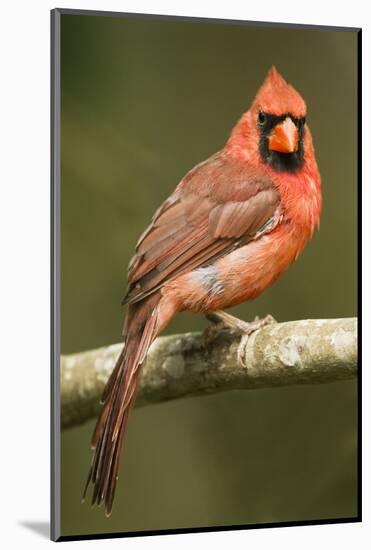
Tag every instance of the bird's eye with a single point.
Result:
(262, 118)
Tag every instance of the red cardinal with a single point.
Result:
(233, 224)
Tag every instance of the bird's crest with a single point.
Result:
(277, 97)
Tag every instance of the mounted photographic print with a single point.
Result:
(205, 183)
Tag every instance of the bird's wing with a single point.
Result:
(218, 206)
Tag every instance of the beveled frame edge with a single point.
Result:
(55, 165)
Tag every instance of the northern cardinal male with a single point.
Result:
(234, 223)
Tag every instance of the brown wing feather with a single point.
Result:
(219, 205)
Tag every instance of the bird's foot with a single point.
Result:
(215, 328)
(222, 320)
(247, 330)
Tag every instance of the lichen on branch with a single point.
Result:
(297, 352)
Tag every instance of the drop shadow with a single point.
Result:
(42, 528)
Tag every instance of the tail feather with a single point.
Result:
(113, 377)
(141, 328)
(124, 402)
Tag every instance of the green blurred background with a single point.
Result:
(143, 101)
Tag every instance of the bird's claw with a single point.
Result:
(246, 330)
(221, 320)
(242, 349)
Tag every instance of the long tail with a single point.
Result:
(140, 329)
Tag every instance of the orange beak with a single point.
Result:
(284, 137)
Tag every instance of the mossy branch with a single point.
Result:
(297, 352)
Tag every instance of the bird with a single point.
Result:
(232, 226)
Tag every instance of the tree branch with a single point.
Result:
(298, 352)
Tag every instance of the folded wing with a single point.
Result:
(220, 205)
